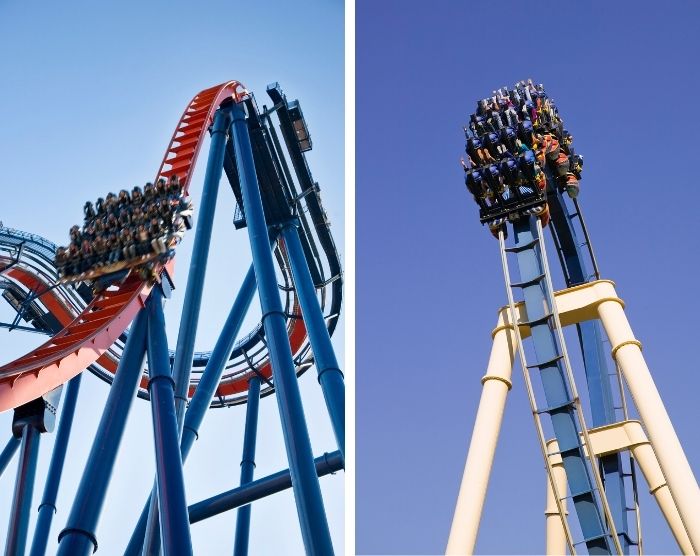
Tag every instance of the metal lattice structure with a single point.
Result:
(297, 274)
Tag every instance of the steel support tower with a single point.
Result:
(590, 466)
(290, 238)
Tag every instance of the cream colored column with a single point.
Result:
(472, 492)
(648, 464)
(556, 536)
(667, 447)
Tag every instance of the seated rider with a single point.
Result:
(136, 196)
(89, 211)
(61, 261)
(174, 186)
(157, 233)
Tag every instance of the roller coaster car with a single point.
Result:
(108, 274)
(512, 207)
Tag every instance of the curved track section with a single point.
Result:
(95, 340)
(87, 337)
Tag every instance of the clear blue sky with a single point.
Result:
(624, 76)
(90, 94)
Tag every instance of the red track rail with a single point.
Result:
(86, 338)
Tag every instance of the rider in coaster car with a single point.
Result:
(161, 188)
(157, 243)
(174, 186)
(86, 255)
(124, 217)
(493, 144)
(136, 196)
(576, 164)
(89, 211)
(126, 239)
(61, 261)
(526, 133)
(143, 245)
(528, 165)
(496, 122)
(73, 266)
(495, 181)
(562, 164)
(114, 248)
(99, 248)
(476, 186)
(100, 206)
(149, 192)
(124, 200)
(111, 203)
(509, 139)
(478, 153)
(572, 186)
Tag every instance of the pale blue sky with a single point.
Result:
(90, 94)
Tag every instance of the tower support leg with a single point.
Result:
(199, 404)
(330, 376)
(667, 447)
(307, 491)
(472, 492)
(184, 350)
(78, 537)
(24, 488)
(240, 544)
(556, 535)
(47, 508)
(649, 465)
(8, 452)
(175, 529)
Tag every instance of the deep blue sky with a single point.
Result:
(625, 78)
(89, 96)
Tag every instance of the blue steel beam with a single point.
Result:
(330, 377)
(594, 359)
(47, 507)
(78, 537)
(172, 505)
(307, 491)
(8, 452)
(558, 397)
(266, 486)
(199, 404)
(240, 543)
(24, 488)
(184, 351)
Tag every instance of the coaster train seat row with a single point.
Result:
(129, 231)
(513, 138)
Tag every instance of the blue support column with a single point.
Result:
(24, 489)
(8, 452)
(200, 402)
(307, 491)
(78, 537)
(240, 544)
(555, 385)
(175, 530)
(327, 464)
(47, 508)
(184, 351)
(330, 377)
(594, 360)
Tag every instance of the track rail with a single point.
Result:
(86, 339)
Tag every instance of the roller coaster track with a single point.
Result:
(94, 328)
